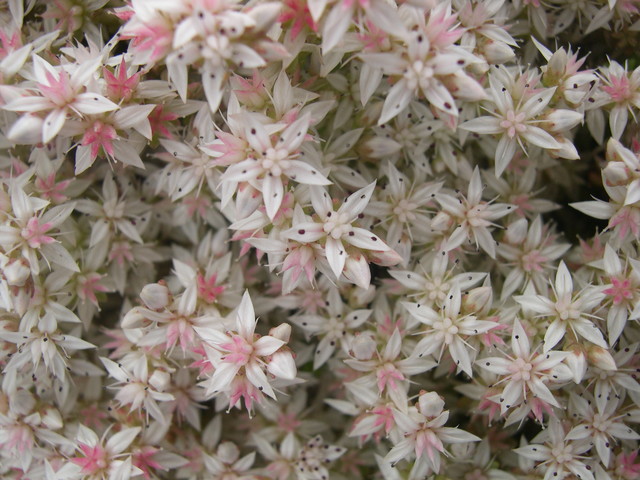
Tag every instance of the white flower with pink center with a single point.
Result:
(247, 358)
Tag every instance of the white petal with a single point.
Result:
(590, 332)
(92, 103)
(520, 340)
(294, 134)
(397, 99)
(267, 345)
(302, 172)
(361, 238)
(272, 194)
(212, 82)
(355, 204)
(120, 441)
(246, 319)
(336, 255)
(53, 123)
(282, 365)
(563, 283)
(483, 125)
(537, 136)
(256, 376)
(554, 334)
(505, 151)
(336, 25)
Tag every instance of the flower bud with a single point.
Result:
(160, 380)
(577, 363)
(357, 270)
(282, 365)
(134, 318)
(281, 332)
(615, 174)
(478, 300)
(155, 296)
(228, 452)
(16, 273)
(363, 346)
(498, 53)
(561, 120)
(430, 404)
(52, 419)
(601, 358)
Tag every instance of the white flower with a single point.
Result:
(568, 311)
(272, 159)
(447, 328)
(336, 227)
(559, 455)
(516, 123)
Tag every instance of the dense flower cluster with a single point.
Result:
(319, 239)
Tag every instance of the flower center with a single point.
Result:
(513, 123)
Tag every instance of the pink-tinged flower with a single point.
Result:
(423, 433)
(556, 455)
(623, 91)
(625, 465)
(51, 190)
(341, 17)
(386, 370)
(99, 135)
(31, 227)
(297, 11)
(241, 353)
(61, 93)
(622, 285)
(88, 284)
(160, 121)
(568, 311)
(524, 373)
(531, 252)
(100, 460)
(121, 87)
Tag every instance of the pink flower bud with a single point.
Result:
(155, 296)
